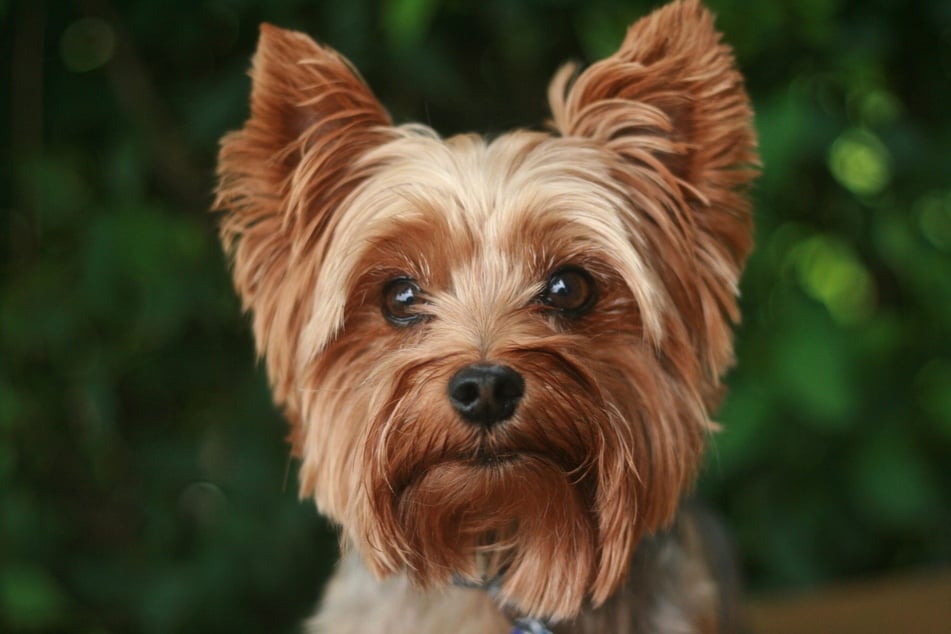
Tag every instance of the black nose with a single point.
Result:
(486, 394)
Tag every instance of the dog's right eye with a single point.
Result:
(400, 298)
(570, 291)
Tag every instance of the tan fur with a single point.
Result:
(643, 184)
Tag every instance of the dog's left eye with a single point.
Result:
(570, 291)
(400, 296)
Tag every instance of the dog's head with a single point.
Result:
(499, 358)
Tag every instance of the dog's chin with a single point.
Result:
(486, 493)
(488, 459)
(518, 520)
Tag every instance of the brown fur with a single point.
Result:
(643, 183)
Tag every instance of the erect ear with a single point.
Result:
(672, 104)
(672, 91)
(282, 177)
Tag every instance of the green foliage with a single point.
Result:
(144, 481)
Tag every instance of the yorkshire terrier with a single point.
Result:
(499, 358)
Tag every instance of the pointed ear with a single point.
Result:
(671, 98)
(671, 104)
(282, 177)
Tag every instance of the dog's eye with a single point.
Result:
(400, 297)
(570, 291)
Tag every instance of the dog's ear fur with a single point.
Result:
(672, 104)
(282, 176)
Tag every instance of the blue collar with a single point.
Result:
(530, 626)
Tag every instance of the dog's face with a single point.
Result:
(499, 358)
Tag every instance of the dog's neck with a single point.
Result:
(687, 599)
(520, 624)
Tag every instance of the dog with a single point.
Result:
(499, 358)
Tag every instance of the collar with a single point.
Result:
(530, 626)
(523, 625)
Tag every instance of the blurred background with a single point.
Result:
(144, 479)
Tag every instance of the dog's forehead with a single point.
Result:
(524, 191)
